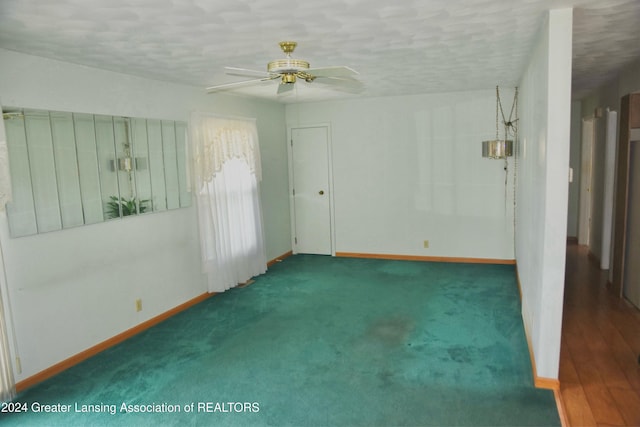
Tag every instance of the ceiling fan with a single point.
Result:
(289, 71)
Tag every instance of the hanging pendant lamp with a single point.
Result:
(499, 148)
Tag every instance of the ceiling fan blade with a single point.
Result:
(346, 84)
(235, 71)
(234, 85)
(338, 71)
(285, 88)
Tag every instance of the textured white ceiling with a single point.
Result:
(408, 47)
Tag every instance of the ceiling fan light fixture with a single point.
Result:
(288, 78)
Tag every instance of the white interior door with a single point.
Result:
(584, 214)
(311, 185)
(631, 287)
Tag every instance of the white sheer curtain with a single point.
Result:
(227, 172)
(7, 382)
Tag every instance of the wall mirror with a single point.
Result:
(72, 169)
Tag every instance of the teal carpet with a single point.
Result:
(319, 341)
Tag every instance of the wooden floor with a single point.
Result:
(599, 365)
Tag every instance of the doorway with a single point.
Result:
(310, 180)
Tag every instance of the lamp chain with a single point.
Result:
(509, 124)
(497, 109)
(516, 152)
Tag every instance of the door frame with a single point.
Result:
(292, 208)
(586, 180)
(611, 141)
(632, 202)
(628, 130)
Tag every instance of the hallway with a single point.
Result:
(599, 358)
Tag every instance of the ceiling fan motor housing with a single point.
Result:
(288, 65)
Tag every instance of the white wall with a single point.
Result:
(543, 188)
(72, 289)
(409, 168)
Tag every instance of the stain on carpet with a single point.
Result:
(390, 331)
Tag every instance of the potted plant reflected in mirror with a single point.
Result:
(130, 206)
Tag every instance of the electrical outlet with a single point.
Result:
(139, 304)
(426, 244)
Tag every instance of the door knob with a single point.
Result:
(321, 192)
